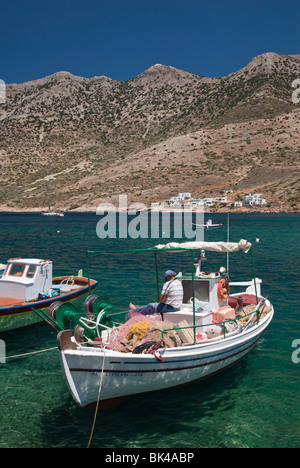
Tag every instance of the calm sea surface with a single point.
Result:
(253, 404)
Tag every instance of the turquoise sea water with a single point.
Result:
(253, 404)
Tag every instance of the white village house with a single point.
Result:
(184, 195)
(221, 199)
(180, 199)
(253, 200)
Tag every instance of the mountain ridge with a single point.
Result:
(255, 60)
(90, 129)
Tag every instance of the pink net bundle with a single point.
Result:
(124, 337)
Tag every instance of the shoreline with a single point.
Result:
(83, 210)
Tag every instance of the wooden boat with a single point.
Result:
(27, 283)
(206, 339)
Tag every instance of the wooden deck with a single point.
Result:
(9, 301)
(81, 282)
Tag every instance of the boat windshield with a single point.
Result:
(31, 271)
(16, 269)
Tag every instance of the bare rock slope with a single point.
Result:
(160, 133)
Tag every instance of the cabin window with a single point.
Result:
(16, 269)
(31, 271)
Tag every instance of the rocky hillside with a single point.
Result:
(160, 133)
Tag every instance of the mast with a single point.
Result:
(48, 194)
(227, 241)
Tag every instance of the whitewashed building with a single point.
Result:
(253, 200)
(197, 202)
(208, 201)
(184, 195)
(174, 200)
(221, 199)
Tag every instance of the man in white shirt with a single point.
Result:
(170, 299)
(172, 294)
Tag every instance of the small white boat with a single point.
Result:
(209, 225)
(50, 212)
(27, 283)
(53, 213)
(210, 333)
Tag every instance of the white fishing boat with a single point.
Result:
(212, 331)
(28, 282)
(53, 213)
(209, 225)
(50, 212)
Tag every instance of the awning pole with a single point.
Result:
(193, 283)
(87, 271)
(227, 241)
(254, 275)
(156, 272)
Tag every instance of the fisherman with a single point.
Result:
(170, 299)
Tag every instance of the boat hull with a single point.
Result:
(21, 315)
(120, 375)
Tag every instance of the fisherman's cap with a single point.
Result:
(170, 273)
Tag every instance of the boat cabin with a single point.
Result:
(25, 278)
(2, 269)
(211, 292)
(206, 290)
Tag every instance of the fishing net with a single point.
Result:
(141, 329)
(135, 330)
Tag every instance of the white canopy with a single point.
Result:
(211, 246)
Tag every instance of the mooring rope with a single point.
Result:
(98, 399)
(100, 385)
(29, 354)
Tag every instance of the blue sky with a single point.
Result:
(121, 39)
